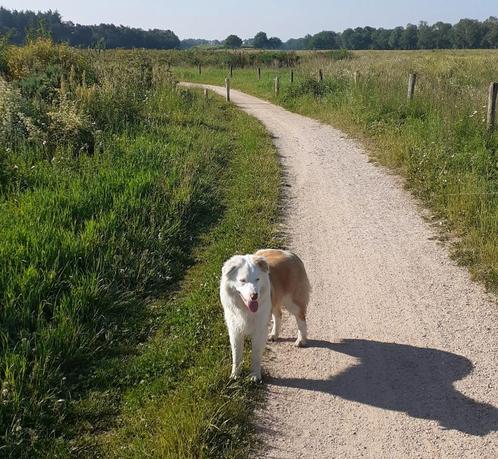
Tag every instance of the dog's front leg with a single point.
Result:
(277, 319)
(258, 346)
(237, 344)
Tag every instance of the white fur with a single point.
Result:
(244, 276)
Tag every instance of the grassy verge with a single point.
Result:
(180, 404)
(112, 186)
(438, 141)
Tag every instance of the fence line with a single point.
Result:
(412, 79)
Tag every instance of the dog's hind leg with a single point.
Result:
(277, 320)
(237, 345)
(302, 334)
(299, 312)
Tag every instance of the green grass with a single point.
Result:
(188, 409)
(94, 327)
(438, 141)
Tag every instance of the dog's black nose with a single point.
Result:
(254, 296)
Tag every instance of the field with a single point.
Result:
(438, 141)
(121, 195)
(120, 198)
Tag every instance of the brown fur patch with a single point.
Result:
(288, 280)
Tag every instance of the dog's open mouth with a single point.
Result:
(252, 305)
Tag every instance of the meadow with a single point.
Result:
(438, 141)
(120, 196)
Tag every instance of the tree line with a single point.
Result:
(467, 33)
(18, 25)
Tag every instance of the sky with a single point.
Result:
(215, 19)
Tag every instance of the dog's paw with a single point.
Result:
(254, 378)
(300, 342)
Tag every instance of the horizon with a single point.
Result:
(310, 21)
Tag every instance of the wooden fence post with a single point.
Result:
(227, 85)
(199, 68)
(206, 93)
(230, 70)
(259, 73)
(277, 86)
(356, 76)
(320, 74)
(411, 85)
(292, 76)
(491, 118)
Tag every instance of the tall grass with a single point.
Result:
(109, 179)
(439, 141)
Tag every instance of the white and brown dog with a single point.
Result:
(252, 287)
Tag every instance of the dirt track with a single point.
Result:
(403, 353)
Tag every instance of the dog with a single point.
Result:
(252, 287)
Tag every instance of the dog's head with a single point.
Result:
(247, 275)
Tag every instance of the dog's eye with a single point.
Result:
(257, 280)
(242, 281)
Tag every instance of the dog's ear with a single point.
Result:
(231, 265)
(261, 263)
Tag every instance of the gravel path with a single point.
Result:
(403, 353)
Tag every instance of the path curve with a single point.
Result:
(403, 357)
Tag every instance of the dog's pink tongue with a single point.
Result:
(253, 305)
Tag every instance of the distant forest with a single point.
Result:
(18, 25)
(467, 33)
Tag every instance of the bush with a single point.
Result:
(40, 56)
(315, 88)
(340, 54)
(11, 125)
(3, 54)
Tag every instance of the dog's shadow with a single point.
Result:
(398, 377)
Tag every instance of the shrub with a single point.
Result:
(40, 55)
(10, 105)
(340, 54)
(3, 54)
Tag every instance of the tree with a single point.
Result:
(307, 41)
(395, 38)
(347, 38)
(233, 41)
(426, 36)
(274, 43)
(188, 43)
(490, 39)
(295, 43)
(409, 37)
(248, 42)
(325, 40)
(380, 38)
(443, 35)
(362, 38)
(468, 33)
(261, 40)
